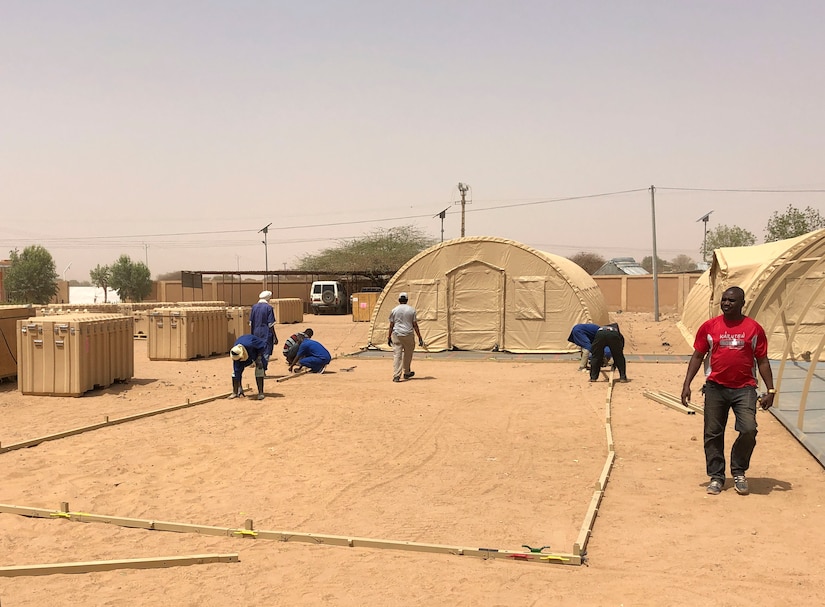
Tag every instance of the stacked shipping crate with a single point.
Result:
(9, 315)
(288, 310)
(238, 324)
(69, 354)
(187, 333)
(363, 305)
(140, 313)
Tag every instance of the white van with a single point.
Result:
(328, 296)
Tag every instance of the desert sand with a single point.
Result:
(469, 453)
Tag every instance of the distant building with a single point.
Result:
(621, 265)
(91, 295)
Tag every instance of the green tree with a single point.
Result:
(793, 222)
(661, 264)
(682, 263)
(31, 277)
(726, 236)
(131, 280)
(376, 255)
(101, 276)
(589, 262)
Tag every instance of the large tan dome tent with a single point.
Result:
(784, 282)
(486, 293)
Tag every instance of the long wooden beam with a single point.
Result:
(108, 422)
(295, 536)
(144, 563)
(677, 399)
(291, 376)
(580, 547)
(672, 403)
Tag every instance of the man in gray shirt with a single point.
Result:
(400, 337)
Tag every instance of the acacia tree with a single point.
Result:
(31, 278)
(131, 280)
(661, 264)
(589, 262)
(376, 255)
(793, 222)
(726, 236)
(682, 263)
(101, 277)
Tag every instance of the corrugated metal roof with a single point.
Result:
(621, 265)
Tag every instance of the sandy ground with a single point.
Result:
(476, 454)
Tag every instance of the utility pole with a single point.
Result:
(705, 218)
(655, 256)
(442, 215)
(463, 187)
(146, 253)
(265, 231)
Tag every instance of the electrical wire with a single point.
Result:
(125, 240)
(744, 190)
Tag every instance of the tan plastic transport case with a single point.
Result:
(200, 304)
(9, 315)
(140, 313)
(69, 354)
(187, 333)
(238, 319)
(288, 310)
(99, 308)
(362, 305)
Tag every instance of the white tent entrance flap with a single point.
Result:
(475, 311)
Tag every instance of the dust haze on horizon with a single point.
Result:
(174, 132)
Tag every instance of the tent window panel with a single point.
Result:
(426, 300)
(816, 312)
(529, 299)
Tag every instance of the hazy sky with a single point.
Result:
(174, 131)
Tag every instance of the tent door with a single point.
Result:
(475, 310)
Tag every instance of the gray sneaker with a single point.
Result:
(715, 487)
(740, 483)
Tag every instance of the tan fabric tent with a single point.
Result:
(485, 293)
(784, 281)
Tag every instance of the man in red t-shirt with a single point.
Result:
(738, 348)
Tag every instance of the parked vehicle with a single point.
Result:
(328, 296)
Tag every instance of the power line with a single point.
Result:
(111, 238)
(108, 241)
(761, 191)
(552, 200)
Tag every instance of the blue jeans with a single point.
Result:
(719, 400)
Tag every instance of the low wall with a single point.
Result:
(635, 293)
(626, 293)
